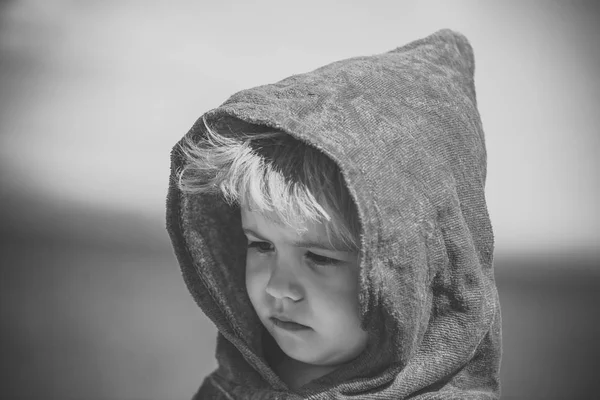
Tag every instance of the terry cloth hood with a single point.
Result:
(404, 129)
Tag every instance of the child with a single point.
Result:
(334, 228)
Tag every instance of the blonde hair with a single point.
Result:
(273, 173)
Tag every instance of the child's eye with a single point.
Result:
(262, 247)
(321, 260)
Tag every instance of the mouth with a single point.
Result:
(288, 325)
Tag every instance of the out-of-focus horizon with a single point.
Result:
(95, 94)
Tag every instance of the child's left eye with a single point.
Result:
(321, 260)
(262, 247)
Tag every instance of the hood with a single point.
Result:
(404, 129)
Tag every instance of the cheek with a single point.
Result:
(338, 301)
(338, 316)
(256, 278)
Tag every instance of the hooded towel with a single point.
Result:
(404, 129)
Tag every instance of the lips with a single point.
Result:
(287, 324)
(283, 318)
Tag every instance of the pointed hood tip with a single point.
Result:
(457, 45)
(462, 44)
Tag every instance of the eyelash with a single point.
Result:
(314, 258)
(257, 246)
(321, 260)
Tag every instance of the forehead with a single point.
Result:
(302, 233)
(269, 221)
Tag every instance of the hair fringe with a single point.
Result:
(284, 179)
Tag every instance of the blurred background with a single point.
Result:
(95, 93)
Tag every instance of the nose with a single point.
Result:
(283, 284)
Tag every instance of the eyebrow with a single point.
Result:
(301, 243)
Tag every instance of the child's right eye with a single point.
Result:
(262, 247)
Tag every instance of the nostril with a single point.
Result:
(282, 286)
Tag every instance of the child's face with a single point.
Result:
(289, 277)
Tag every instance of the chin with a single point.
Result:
(302, 355)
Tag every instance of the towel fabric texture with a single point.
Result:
(404, 128)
